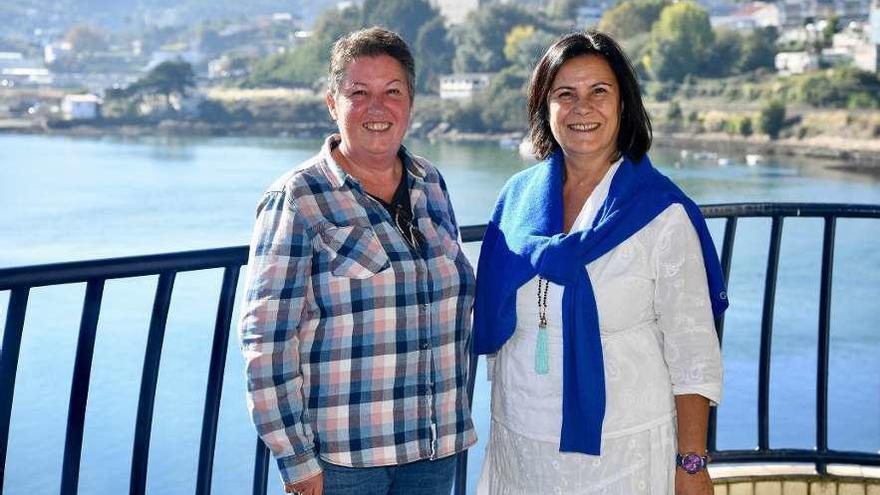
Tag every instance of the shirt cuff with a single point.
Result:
(299, 467)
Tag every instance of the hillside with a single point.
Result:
(22, 17)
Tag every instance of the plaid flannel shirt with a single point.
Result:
(356, 349)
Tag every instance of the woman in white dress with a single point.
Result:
(597, 289)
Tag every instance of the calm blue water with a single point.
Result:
(65, 199)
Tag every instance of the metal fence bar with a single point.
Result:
(9, 366)
(460, 487)
(215, 379)
(767, 334)
(798, 455)
(149, 377)
(79, 390)
(261, 468)
(126, 267)
(824, 340)
(726, 256)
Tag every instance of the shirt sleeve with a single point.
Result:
(277, 276)
(684, 311)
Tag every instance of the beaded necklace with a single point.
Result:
(542, 346)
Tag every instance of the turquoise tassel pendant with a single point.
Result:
(542, 352)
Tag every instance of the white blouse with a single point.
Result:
(658, 341)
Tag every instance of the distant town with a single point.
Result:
(792, 71)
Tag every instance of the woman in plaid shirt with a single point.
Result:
(355, 326)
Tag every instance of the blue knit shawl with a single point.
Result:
(524, 239)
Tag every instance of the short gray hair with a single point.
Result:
(370, 42)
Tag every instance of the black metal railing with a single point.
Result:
(19, 281)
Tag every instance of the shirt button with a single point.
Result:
(424, 344)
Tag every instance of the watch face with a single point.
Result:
(692, 463)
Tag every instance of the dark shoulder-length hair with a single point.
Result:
(634, 136)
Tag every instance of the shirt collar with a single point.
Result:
(337, 176)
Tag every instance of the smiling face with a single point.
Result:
(371, 108)
(584, 108)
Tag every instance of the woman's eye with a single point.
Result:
(564, 95)
(600, 90)
(395, 92)
(358, 92)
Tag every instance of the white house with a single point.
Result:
(750, 16)
(456, 11)
(462, 86)
(867, 58)
(15, 68)
(80, 107)
(796, 62)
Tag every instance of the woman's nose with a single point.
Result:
(376, 103)
(582, 106)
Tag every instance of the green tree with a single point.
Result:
(306, 65)
(513, 39)
(772, 118)
(405, 17)
(480, 39)
(629, 19)
(167, 78)
(303, 66)
(744, 126)
(758, 50)
(503, 108)
(831, 28)
(724, 58)
(680, 41)
(333, 24)
(434, 52)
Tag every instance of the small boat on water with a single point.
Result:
(753, 159)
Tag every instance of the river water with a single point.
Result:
(65, 199)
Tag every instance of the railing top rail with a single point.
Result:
(846, 210)
(135, 266)
(123, 267)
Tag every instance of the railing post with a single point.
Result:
(726, 256)
(767, 334)
(9, 366)
(79, 390)
(215, 379)
(824, 341)
(461, 463)
(261, 468)
(149, 376)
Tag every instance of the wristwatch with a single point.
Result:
(691, 462)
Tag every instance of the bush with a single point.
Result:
(467, 117)
(673, 111)
(772, 119)
(745, 126)
(213, 111)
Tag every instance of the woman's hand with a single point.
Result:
(309, 486)
(693, 484)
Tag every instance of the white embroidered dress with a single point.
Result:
(658, 340)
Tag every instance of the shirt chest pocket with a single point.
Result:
(352, 251)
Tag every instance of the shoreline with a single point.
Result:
(837, 153)
(850, 155)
